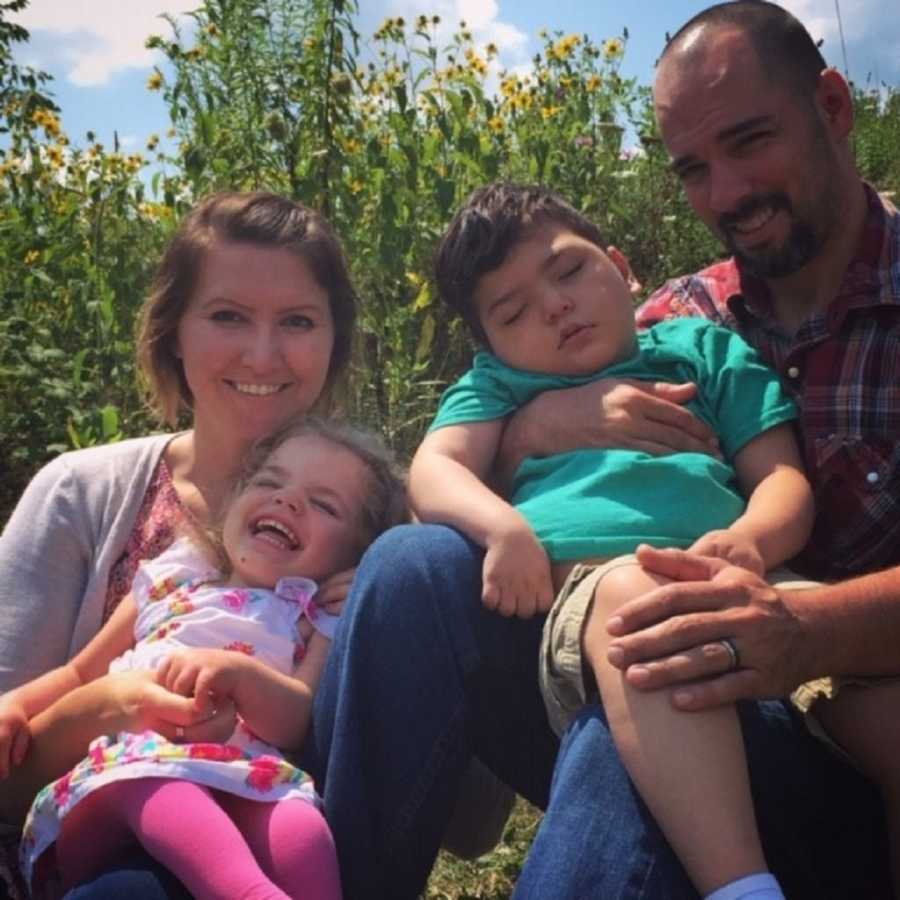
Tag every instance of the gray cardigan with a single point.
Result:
(56, 552)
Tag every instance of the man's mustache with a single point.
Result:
(751, 206)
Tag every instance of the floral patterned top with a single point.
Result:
(161, 518)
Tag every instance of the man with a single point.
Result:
(813, 285)
(421, 676)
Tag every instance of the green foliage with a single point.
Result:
(77, 244)
(877, 137)
(388, 141)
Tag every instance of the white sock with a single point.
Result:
(761, 886)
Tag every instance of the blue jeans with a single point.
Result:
(421, 677)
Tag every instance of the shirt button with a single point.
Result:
(872, 477)
(793, 372)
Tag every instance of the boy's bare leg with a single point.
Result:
(865, 721)
(690, 768)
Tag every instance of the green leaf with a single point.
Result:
(426, 337)
(424, 297)
(109, 418)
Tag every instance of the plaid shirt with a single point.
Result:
(843, 369)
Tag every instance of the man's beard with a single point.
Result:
(802, 244)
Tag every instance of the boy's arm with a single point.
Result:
(23, 703)
(779, 516)
(446, 484)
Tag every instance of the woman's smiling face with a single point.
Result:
(255, 339)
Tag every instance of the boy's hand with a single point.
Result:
(206, 675)
(516, 575)
(731, 546)
(15, 735)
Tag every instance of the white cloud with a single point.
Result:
(480, 17)
(97, 38)
(871, 30)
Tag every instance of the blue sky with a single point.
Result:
(94, 48)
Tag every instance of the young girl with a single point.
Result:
(242, 630)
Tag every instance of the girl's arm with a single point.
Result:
(277, 707)
(22, 704)
(779, 516)
(447, 484)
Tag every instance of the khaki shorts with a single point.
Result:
(805, 697)
(567, 684)
(560, 671)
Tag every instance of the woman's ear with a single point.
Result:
(620, 261)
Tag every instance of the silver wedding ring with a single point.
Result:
(728, 644)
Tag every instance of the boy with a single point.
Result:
(531, 278)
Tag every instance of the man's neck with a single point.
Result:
(796, 297)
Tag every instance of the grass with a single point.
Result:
(490, 877)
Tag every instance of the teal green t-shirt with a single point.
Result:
(604, 502)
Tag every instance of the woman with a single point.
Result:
(249, 322)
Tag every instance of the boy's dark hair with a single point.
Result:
(787, 54)
(482, 233)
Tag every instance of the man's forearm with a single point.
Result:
(852, 627)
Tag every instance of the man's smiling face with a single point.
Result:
(757, 163)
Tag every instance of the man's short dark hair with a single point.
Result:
(786, 52)
(482, 233)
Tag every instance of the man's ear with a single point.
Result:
(620, 261)
(835, 102)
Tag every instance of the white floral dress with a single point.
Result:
(180, 606)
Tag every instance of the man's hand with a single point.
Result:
(15, 735)
(516, 576)
(620, 413)
(669, 636)
(732, 547)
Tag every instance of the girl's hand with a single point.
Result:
(333, 592)
(516, 575)
(209, 676)
(146, 704)
(731, 546)
(216, 729)
(15, 735)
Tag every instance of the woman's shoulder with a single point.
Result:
(109, 470)
(122, 454)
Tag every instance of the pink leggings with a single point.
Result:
(218, 845)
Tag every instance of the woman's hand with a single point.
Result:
(333, 592)
(15, 735)
(61, 734)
